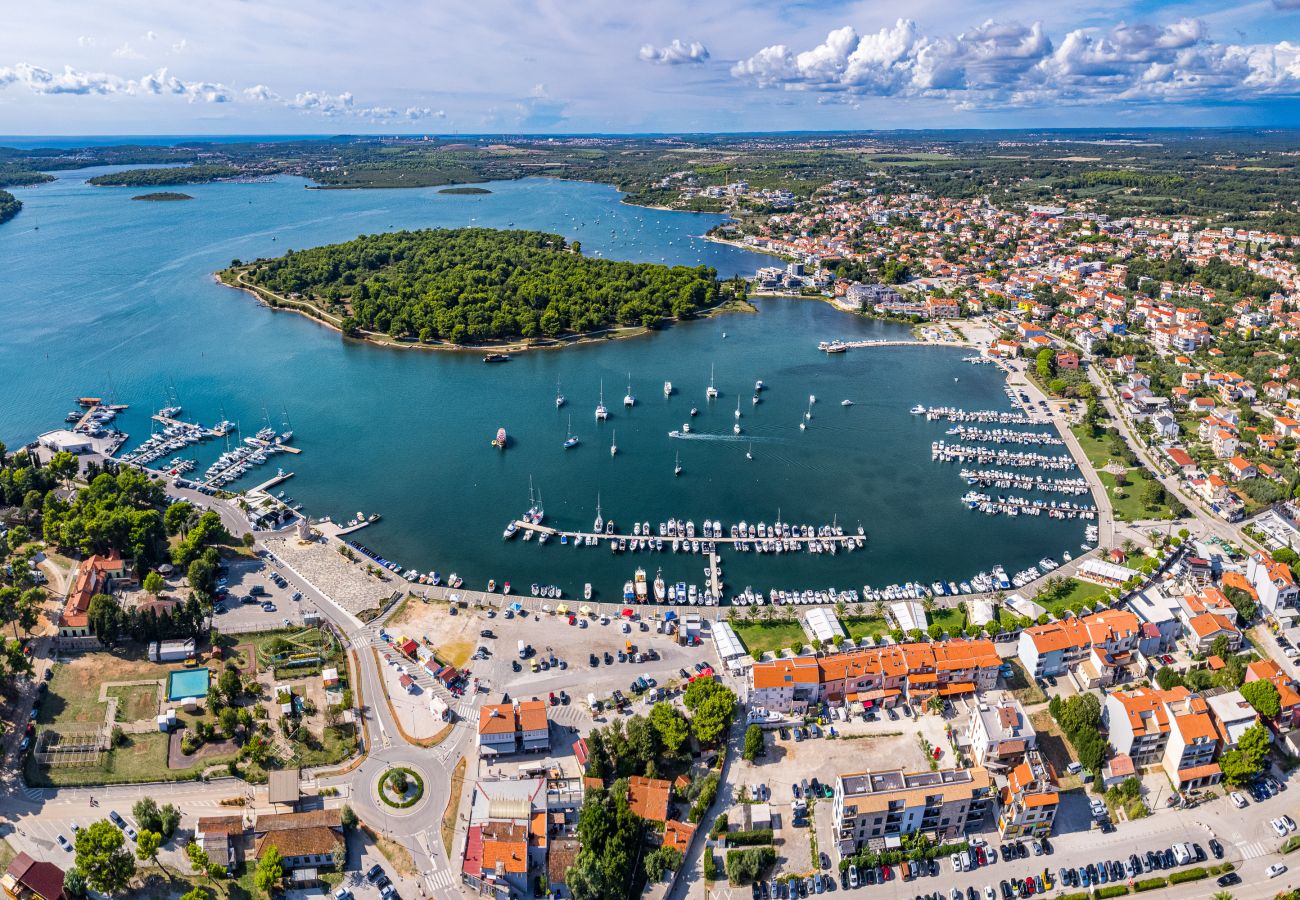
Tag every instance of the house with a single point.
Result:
(534, 726)
(30, 878)
(1224, 443)
(95, 575)
(513, 727)
(1239, 469)
(507, 838)
(1139, 723)
(1288, 690)
(873, 809)
(1274, 585)
(219, 836)
(998, 731)
(1067, 361)
(1204, 629)
(648, 797)
(1027, 804)
(876, 676)
(1165, 425)
(1232, 716)
(1058, 647)
(305, 840)
(1181, 460)
(1193, 744)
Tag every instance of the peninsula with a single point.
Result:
(10, 206)
(162, 196)
(474, 286)
(165, 176)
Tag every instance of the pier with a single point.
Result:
(267, 485)
(593, 538)
(269, 445)
(98, 407)
(841, 346)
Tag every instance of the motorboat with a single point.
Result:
(668, 388)
(846, 403)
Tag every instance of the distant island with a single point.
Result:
(162, 196)
(9, 206)
(474, 286)
(160, 177)
(464, 190)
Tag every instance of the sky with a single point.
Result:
(84, 67)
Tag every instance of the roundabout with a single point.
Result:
(400, 788)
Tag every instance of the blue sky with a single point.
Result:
(449, 66)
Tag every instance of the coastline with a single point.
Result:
(310, 311)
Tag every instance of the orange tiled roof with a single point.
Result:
(648, 797)
(532, 715)
(512, 854)
(497, 719)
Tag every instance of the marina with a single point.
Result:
(409, 433)
(944, 452)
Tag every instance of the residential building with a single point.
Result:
(305, 840)
(870, 808)
(648, 797)
(507, 838)
(1059, 647)
(876, 676)
(1206, 628)
(513, 728)
(1027, 804)
(534, 726)
(95, 575)
(1288, 690)
(32, 879)
(1139, 723)
(1232, 716)
(999, 732)
(1193, 744)
(1274, 584)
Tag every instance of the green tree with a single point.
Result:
(147, 844)
(660, 861)
(753, 743)
(229, 719)
(147, 815)
(103, 857)
(1263, 696)
(1167, 678)
(348, 818)
(153, 584)
(270, 870)
(1244, 762)
(671, 726)
(105, 617)
(74, 882)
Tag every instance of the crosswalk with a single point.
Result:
(1253, 850)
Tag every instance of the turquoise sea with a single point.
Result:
(110, 297)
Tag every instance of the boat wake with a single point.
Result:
(727, 438)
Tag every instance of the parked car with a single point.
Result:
(1275, 870)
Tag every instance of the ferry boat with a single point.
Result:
(668, 388)
(500, 440)
(496, 357)
(639, 585)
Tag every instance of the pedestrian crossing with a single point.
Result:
(439, 880)
(1253, 850)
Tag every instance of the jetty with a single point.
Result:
(838, 346)
(271, 445)
(813, 542)
(944, 452)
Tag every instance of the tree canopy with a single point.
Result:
(103, 857)
(1263, 696)
(470, 285)
(174, 175)
(9, 206)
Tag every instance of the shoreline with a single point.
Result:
(615, 333)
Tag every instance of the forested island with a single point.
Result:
(464, 190)
(473, 286)
(9, 206)
(162, 196)
(152, 177)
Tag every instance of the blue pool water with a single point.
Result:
(188, 683)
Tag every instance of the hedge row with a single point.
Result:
(710, 865)
(1151, 884)
(1291, 843)
(1188, 875)
(1111, 890)
(756, 837)
(1080, 896)
(749, 864)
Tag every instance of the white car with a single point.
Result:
(958, 862)
(988, 893)
(1279, 827)
(1275, 870)
(991, 855)
(1239, 799)
(1288, 822)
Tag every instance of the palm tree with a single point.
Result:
(927, 603)
(878, 607)
(857, 610)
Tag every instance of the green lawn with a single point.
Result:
(335, 746)
(760, 637)
(859, 627)
(1097, 449)
(1022, 686)
(135, 702)
(1079, 590)
(950, 619)
(1130, 507)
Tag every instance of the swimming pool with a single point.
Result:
(184, 683)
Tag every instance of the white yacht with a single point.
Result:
(677, 466)
(628, 399)
(712, 391)
(559, 398)
(613, 444)
(601, 412)
(668, 388)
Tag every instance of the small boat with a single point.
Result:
(737, 407)
(505, 588)
(586, 591)
(812, 398)
(628, 399)
(613, 444)
(492, 585)
(500, 440)
(559, 398)
(600, 523)
(601, 412)
(496, 357)
(749, 454)
(735, 429)
(511, 530)
(668, 388)
(758, 385)
(660, 590)
(572, 440)
(711, 392)
(846, 403)
(677, 466)
(694, 411)
(639, 585)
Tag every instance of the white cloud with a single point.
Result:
(85, 41)
(676, 53)
(1012, 64)
(126, 51)
(180, 46)
(151, 35)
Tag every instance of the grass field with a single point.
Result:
(1022, 686)
(135, 702)
(1079, 590)
(950, 619)
(760, 637)
(1130, 507)
(859, 627)
(74, 690)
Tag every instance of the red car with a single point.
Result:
(573, 620)
(979, 855)
(887, 872)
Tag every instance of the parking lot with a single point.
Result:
(273, 606)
